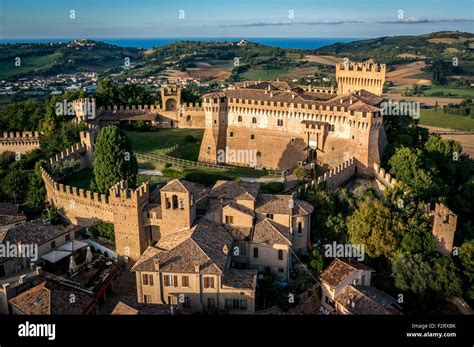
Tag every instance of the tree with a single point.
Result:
(466, 258)
(113, 159)
(14, 184)
(371, 225)
(407, 166)
(316, 260)
(301, 173)
(446, 282)
(411, 273)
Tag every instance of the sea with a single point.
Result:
(282, 42)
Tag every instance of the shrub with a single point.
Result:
(103, 229)
(301, 173)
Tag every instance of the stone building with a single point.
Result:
(172, 114)
(346, 290)
(283, 123)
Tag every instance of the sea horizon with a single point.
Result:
(145, 43)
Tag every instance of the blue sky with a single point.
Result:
(234, 18)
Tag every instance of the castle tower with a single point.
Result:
(214, 139)
(128, 205)
(354, 76)
(444, 227)
(84, 109)
(87, 138)
(367, 136)
(178, 209)
(170, 99)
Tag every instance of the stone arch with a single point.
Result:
(171, 104)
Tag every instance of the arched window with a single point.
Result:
(188, 118)
(175, 201)
(252, 137)
(239, 119)
(280, 254)
(231, 134)
(254, 120)
(300, 228)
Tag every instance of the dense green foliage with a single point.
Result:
(103, 229)
(113, 159)
(110, 93)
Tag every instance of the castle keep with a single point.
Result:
(284, 123)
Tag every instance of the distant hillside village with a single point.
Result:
(185, 247)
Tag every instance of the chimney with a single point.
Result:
(156, 264)
(22, 279)
(197, 267)
(38, 270)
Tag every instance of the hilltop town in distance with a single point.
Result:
(234, 177)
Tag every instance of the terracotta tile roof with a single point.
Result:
(279, 204)
(268, 231)
(363, 107)
(340, 269)
(367, 300)
(273, 204)
(240, 279)
(241, 208)
(179, 186)
(203, 246)
(287, 93)
(52, 298)
(170, 241)
(36, 232)
(11, 218)
(235, 190)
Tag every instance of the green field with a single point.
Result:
(28, 65)
(445, 120)
(157, 142)
(449, 92)
(270, 74)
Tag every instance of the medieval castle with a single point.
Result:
(212, 241)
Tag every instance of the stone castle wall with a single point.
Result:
(267, 127)
(19, 141)
(353, 76)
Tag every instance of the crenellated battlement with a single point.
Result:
(81, 206)
(338, 175)
(19, 141)
(130, 109)
(120, 192)
(19, 135)
(361, 67)
(74, 151)
(384, 177)
(192, 106)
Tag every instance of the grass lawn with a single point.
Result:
(156, 142)
(449, 92)
(445, 120)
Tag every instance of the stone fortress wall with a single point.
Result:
(19, 141)
(351, 76)
(281, 131)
